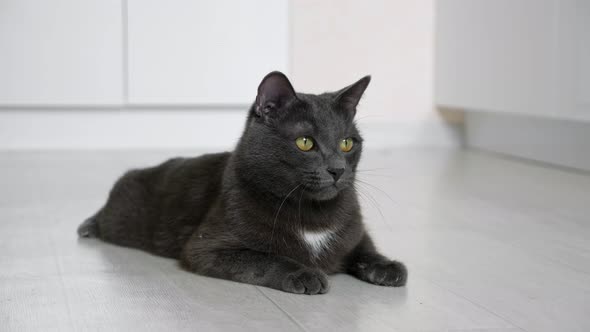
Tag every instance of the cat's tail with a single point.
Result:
(89, 228)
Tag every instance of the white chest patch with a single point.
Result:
(318, 241)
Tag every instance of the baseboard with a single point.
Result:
(434, 132)
(559, 142)
(177, 129)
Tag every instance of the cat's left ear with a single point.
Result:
(349, 97)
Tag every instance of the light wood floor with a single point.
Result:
(492, 244)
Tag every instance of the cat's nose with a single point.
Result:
(335, 172)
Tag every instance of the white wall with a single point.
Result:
(335, 42)
(176, 64)
(108, 74)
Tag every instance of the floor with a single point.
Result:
(492, 244)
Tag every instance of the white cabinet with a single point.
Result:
(140, 52)
(524, 56)
(60, 52)
(203, 52)
(583, 52)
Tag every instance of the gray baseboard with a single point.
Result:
(559, 142)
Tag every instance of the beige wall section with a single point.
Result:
(335, 42)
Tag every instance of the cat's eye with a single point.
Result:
(346, 144)
(304, 143)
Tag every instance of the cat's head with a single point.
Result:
(296, 140)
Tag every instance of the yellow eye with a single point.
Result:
(346, 144)
(304, 143)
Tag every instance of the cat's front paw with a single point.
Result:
(389, 273)
(306, 281)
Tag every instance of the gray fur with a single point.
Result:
(240, 215)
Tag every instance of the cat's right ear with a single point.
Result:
(274, 92)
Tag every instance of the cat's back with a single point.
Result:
(195, 179)
(158, 208)
(204, 167)
(191, 181)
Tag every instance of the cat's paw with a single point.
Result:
(306, 281)
(391, 273)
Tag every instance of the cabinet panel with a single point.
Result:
(525, 56)
(583, 54)
(495, 55)
(204, 52)
(60, 52)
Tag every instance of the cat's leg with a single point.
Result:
(365, 263)
(254, 267)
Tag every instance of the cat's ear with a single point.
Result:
(274, 92)
(349, 97)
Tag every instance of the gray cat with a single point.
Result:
(280, 211)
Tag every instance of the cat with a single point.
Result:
(279, 211)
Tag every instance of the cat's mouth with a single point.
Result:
(322, 192)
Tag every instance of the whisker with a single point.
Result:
(379, 189)
(378, 175)
(300, 197)
(370, 199)
(277, 216)
(374, 169)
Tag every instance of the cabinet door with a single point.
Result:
(525, 56)
(60, 52)
(188, 52)
(495, 55)
(582, 54)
